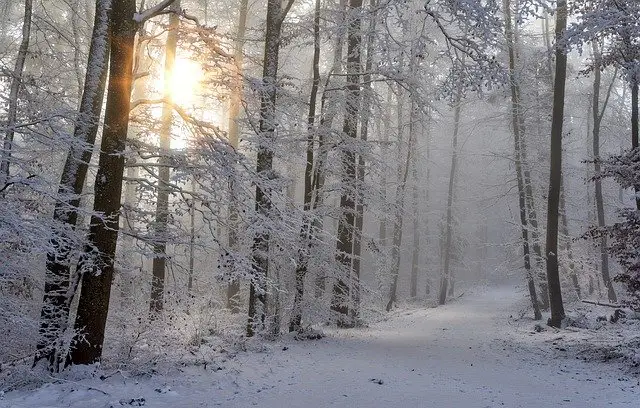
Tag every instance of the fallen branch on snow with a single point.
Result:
(598, 303)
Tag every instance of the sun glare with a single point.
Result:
(185, 81)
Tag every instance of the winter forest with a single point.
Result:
(309, 203)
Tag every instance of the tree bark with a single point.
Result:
(58, 291)
(97, 263)
(164, 172)
(14, 93)
(555, 177)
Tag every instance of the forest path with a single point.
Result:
(466, 354)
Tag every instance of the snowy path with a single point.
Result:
(464, 354)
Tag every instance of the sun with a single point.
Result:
(185, 81)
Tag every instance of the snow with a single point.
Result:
(470, 353)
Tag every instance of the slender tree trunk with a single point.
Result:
(634, 127)
(192, 239)
(415, 257)
(397, 223)
(97, 263)
(517, 122)
(295, 324)
(344, 247)
(264, 165)
(14, 93)
(555, 177)
(446, 272)
(328, 108)
(58, 291)
(597, 115)
(162, 203)
(233, 289)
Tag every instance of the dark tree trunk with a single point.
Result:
(96, 265)
(14, 91)
(159, 265)
(344, 247)
(555, 177)
(58, 290)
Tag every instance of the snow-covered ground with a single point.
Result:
(474, 352)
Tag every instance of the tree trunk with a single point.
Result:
(295, 324)
(446, 272)
(634, 127)
(97, 263)
(397, 222)
(517, 122)
(555, 177)
(264, 165)
(597, 115)
(233, 288)
(415, 257)
(14, 91)
(58, 291)
(344, 247)
(162, 203)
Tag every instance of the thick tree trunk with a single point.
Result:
(162, 202)
(58, 290)
(306, 234)
(233, 288)
(97, 263)
(264, 165)
(555, 177)
(446, 272)
(344, 247)
(14, 91)
(517, 122)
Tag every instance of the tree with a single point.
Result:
(59, 290)
(96, 265)
(264, 167)
(517, 123)
(344, 247)
(555, 177)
